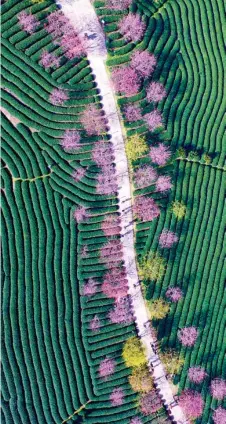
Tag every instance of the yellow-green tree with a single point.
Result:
(133, 353)
(172, 361)
(37, 1)
(152, 268)
(141, 380)
(136, 147)
(178, 209)
(158, 309)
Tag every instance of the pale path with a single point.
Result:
(82, 15)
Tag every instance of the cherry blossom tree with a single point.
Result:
(117, 397)
(150, 403)
(84, 252)
(145, 208)
(218, 388)
(160, 154)
(144, 176)
(72, 45)
(126, 81)
(58, 97)
(78, 174)
(135, 420)
(188, 336)
(219, 416)
(90, 288)
(143, 62)
(81, 214)
(112, 249)
(174, 294)
(132, 27)
(93, 120)
(49, 60)
(27, 21)
(115, 284)
(71, 140)
(153, 120)
(106, 368)
(155, 92)
(106, 182)
(163, 183)
(122, 313)
(118, 4)
(167, 239)
(132, 113)
(102, 154)
(57, 24)
(196, 374)
(111, 225)
(192, 403)
(94, 323)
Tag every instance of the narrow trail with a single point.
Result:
(84, 19)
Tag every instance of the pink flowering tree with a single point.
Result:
(122, 313)
(192, 403)
(102, 154)
(135, 420)
(132, 113)
(27, 21)
(90, 288)
(188, 336)
(57, 24)
(196, 374)
(78, 174)
(150, 403)
(145, 176)
(111, 225)
(126, 80)
(132, 27)
(81, 214)
(71, 140)
(115, 284)
(58, 97)
(49, 60)
(155, 92)
(153, 120)
(143, 62)
(160, 154)
(106, 181)
(219, 416)
(118, 4)
(218, 388)
(112, 249)
(167, 239)
(84, 252)
(94, 324)
(106, 368)
(174, 294)
(93, 120)
(117, 397)
(72, 45)
(145, 208)
(163, 183)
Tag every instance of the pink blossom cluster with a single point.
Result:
(106, 181)
(167, 239)
(159, 154)
(126, 80)
(115, 283)
(150, 403)
(84, 251)
(102, 154)
(93, 120)
(112, 249)
(145, 208)
(72, 45)
(132, 27)
(153, 120)
(144, 176)
(163, 183)
(219, 416)
(71, 140)
(118, 4)
(135, 420)
(155, 92)
(196, 374)
(174, 294)
(192, 403)
(218, 388)
(57, 24)
(132, 113)
(188, 336)
(107, 368)
(49, 60)
(78, 174)
(111, 225)
(143, 62)
(80, 214)
(122, 313)
(94, 323)
(117, 397)
(90, 288)
(27, 21)
(58, 97)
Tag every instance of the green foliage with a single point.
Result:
(133, 353)
(178, 209)
(172, 361)
(158, 309)
(136, 147)
(152, 268)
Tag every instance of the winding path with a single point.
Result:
(83, 17)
